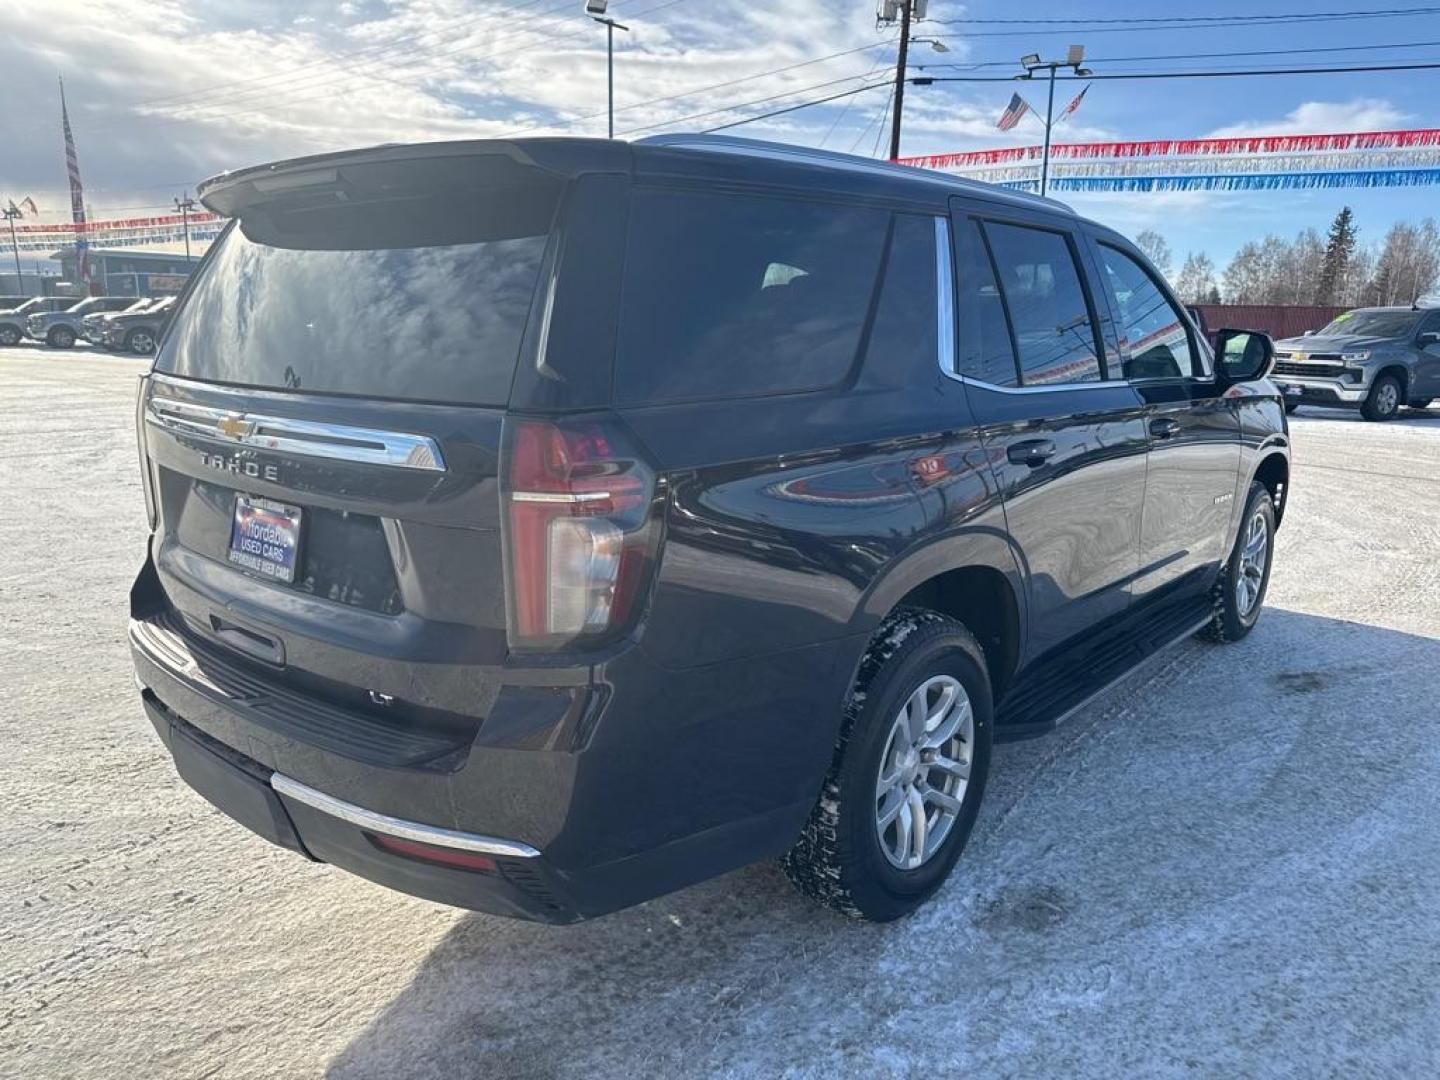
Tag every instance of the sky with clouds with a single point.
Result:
(163, 93)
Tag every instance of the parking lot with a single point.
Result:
(1231, 864)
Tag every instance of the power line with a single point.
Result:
(1354, 13)
(1226, 24)
(1223, 73)
(705, 89)
(1198, 56)
(794, 108)
(748, 104)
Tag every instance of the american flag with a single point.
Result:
(1076, 103)
(77, 192)
(1014, 113)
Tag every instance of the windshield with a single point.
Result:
(36, 304)
(421, 292)
(1384, 324)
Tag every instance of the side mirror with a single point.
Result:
(1244, 355)
(1430, 337)
(1308, 333)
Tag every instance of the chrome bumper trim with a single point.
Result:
(391, 826)
(367, 446)
(1348, 392)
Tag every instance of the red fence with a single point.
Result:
(1277, 320)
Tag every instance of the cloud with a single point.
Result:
(1322, 118)
(165, 92)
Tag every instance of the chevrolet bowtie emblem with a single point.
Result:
(235, 427)
(1300, 356)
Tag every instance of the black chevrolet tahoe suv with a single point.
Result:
(541, 526)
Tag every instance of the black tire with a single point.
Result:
(9, 335)
(1385, 398)
(838, 860)
(62, 337)
(1231, 621)
(1291, 406)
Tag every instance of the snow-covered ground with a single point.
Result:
(1229, 866)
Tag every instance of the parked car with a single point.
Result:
(736, 525)
(92, 326)
(61, 329)
(1376, 360)
(138, 331)
(12, 322)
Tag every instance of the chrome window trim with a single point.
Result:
(373, 821)
(339, 442)
(945, 295)
(948, 369)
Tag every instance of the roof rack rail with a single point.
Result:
(729, 144)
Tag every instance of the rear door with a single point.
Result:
(1427, 366)
(1193, 432)
(1066, 435)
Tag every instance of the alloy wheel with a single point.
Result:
(924, 772)
(1253, 558)
(1387, 399)
(142, 343)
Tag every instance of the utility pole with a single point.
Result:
(11, 213)
(904, 54)
(596, 10)
(1032, 63)
(185, 206)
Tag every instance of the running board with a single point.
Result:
(1071, 682)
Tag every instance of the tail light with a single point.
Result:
(580, 531)
(147, 480)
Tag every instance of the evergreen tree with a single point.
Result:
(1339, 250)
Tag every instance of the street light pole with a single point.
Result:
(1049, 126)
(1032, 63)
(185, 205)
(596, 10)
(11, 213)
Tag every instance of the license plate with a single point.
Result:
(1294, 391)
(265, 537)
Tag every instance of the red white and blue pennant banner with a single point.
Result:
(113, 233)
(1355, 159)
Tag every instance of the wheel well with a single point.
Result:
(1274, 473)
(1401, 372)
(982, 599)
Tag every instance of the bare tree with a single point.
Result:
(1156, 249)
(1197, 278)
(1409, 263)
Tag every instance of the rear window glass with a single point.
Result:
(414, 283)
(1047, 305)
(732, 296)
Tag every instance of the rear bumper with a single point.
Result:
(679, 776)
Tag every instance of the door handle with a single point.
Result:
(1164, 428)
(1031, 452)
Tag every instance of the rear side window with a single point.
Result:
(405, 280)
(734, 296)
(986, 351)
(1046, 300)
(905, 333)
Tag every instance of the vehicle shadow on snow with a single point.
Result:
(1407, 417)
(1200, 785)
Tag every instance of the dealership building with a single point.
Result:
(131, 271)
